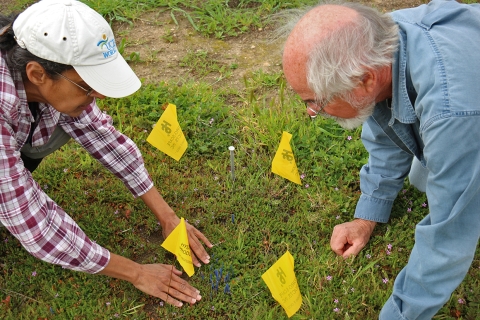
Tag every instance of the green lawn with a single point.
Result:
(253, 221)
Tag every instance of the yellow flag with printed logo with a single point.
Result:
(177, 243)
(281, 281)
(284, 162)
(167, 136)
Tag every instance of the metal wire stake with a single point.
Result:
(232, 163)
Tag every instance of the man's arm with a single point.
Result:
(380, 181)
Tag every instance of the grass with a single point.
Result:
(253, 220)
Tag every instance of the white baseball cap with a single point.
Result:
(71, 33)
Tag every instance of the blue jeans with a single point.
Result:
(418, 175)
(424, 285)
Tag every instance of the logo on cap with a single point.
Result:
(109, 46)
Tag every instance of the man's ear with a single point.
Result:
(36, 73)
(369, 81)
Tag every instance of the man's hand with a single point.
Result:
(194, 237)
(350, 237)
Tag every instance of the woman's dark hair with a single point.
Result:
(17, 58)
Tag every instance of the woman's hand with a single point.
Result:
(164, 282)
(194, 238)
(158, 280)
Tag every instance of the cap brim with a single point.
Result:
(113, 79)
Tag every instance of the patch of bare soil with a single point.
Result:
(164, 48)
(3, 6)
(390, 5)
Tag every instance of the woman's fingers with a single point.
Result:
(164, 282)
(180, 289)
(197, 248)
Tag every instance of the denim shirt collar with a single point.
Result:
(398, 119)
(403, 92)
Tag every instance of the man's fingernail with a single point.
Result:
(180, 304)
(193, 301)
(199, 297)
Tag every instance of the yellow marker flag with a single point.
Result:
(281, 281)
(177, 243)
(167, 136)
(284, 162)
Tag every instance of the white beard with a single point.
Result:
(363, 114)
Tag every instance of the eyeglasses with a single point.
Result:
(316, 107)
(88, 91)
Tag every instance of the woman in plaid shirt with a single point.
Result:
(56, 58)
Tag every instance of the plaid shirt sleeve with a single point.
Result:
(42, 227)
(93, 129)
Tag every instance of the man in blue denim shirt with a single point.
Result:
(412, 79)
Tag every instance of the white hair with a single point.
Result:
(338, 62)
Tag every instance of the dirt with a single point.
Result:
(163, 45)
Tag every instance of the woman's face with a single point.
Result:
(67, 92)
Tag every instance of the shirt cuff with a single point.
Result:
(97, 259)
(140, 183)
(98, 262)
(373, 209)
(390, 311)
